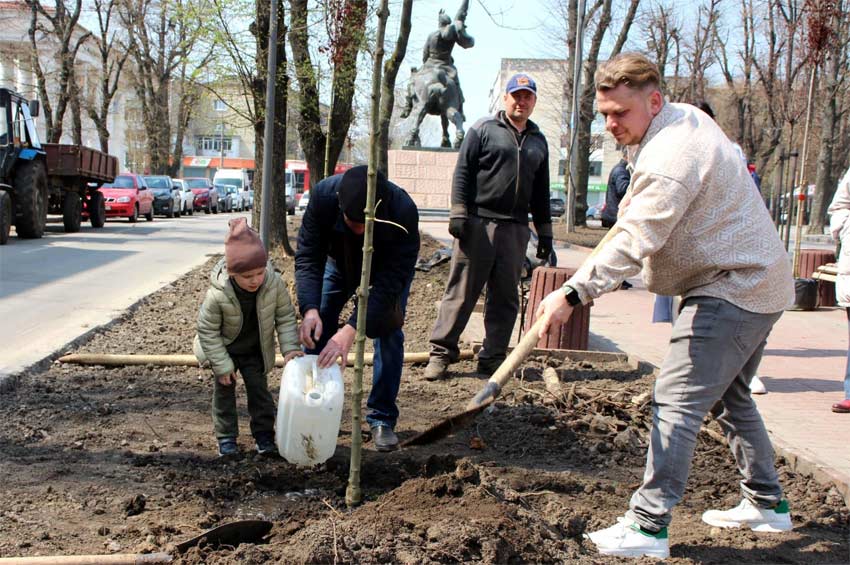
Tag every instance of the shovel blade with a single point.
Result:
(232, 534)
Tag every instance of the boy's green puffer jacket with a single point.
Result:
(220, 320)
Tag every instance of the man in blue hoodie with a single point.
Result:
(328, 264)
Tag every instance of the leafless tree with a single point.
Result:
(391, 68)
(663, 32)
(113, 55)
(165, 38)
(832, 112)
(345, 48)
(57, 23)
(602, 12)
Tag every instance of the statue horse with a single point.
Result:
(432, 92)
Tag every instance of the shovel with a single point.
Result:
(234, 533)
(487, 395)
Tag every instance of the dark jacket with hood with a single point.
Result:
(324, 235)
(618, 184)
(503, 174)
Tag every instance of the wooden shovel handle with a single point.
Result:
(523, 348)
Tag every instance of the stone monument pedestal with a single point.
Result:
(425, 173)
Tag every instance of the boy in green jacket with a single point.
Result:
(246, 304)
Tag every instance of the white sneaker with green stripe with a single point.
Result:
(627, 539)
(748, 515)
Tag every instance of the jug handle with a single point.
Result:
(308, 383)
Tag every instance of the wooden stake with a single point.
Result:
(353, 495)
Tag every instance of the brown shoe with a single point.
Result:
(436, 369)
(842, 407)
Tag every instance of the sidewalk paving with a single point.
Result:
(802, 368)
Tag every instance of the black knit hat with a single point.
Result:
(352, 192)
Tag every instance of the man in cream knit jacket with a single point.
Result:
(693, 221)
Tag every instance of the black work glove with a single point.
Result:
(457, 227)
(544, 247)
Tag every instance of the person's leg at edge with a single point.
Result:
(224, 416)
(843, 407)
(386, 374)
(702, 361)
(847, 368)
(502, 304)
(472, 261)
(743, 427)
(261, 406)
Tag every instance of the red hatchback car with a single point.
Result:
(206, 198)
(128, 197)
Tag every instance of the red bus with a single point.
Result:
(302, 175)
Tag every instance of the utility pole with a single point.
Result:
(578, 55)
(271, 66)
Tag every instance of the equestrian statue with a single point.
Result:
(434, 88)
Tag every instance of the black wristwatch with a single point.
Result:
(572, 296)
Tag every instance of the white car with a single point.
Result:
(302, 203)
(187, 197)
(236, 203)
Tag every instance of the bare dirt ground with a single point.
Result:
(102, 460)
(585, 236)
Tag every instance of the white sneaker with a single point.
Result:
(627, 539)
(747, 514)
(756, 386)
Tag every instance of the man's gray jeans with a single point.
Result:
(714, 350)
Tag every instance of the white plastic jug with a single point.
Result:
(309, 411)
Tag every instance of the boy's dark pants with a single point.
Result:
(261, 405)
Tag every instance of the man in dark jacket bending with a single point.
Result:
(328, 264)
(502, 174)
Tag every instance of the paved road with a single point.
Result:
(54, 289)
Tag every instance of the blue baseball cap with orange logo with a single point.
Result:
(521, 81)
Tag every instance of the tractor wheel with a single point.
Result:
(72, 212)
(5, 216)
(31, 195)
(97, 209)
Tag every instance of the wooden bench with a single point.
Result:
(826, 272)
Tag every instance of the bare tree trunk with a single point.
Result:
(391, 68)
(65, 48)
(835, 76)
(588, 95)
(345, 73)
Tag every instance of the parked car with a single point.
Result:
(248, 199)
(206, 197)
(595, 212)
(302, 203)
(187, 197)
(167, 198)
(128, 196)
(556, 207)
(225, 200)
(236, 202)
(291, 201)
